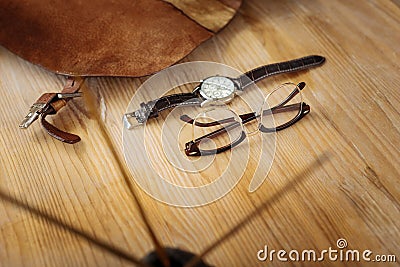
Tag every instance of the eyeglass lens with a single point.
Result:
(284, 104)
(217, 128)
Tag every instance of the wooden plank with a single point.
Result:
(335, 174)
(211, 14)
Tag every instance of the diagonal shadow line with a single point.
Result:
(295, 181)
(90, 102)
(82, 234)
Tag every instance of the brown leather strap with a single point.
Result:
(55, 104)
(170, 101)
(72, 86)
(57, 133)
(278, 68)
(50, 104)
(152, 108)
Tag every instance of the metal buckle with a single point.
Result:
(34, 112)
(38, 108)
(141, 115)
(69, 95)
(129, 123)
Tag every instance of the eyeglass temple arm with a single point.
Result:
(250, 116)
(301, 86)
(305, 109)
(189, 120)
(244, 117)
(278, 108)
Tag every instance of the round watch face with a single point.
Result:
(217, 87)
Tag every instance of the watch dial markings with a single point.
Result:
(217, 87)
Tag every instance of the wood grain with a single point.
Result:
(206, 12)
(335, 174)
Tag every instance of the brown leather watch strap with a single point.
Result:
(171, 101)
(50, 104)
(278, 68)
(71, 87)
(152, 108)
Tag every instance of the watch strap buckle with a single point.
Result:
(50, 103)
(33, 114)
(129, 122)
(37, 109)
(141, 115)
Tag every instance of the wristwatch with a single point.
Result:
(217, 88)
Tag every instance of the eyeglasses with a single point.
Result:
(222, 129)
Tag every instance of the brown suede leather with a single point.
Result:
(104, 38)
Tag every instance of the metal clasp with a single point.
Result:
(34, 112)
(129, 123)
(141, 115)
(38, 108)
(69, 95)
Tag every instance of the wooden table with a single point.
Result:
(335, 175)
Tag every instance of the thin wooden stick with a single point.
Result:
(274, 198)
(70, 228)
(90, 100)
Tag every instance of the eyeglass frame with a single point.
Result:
(192, 147)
